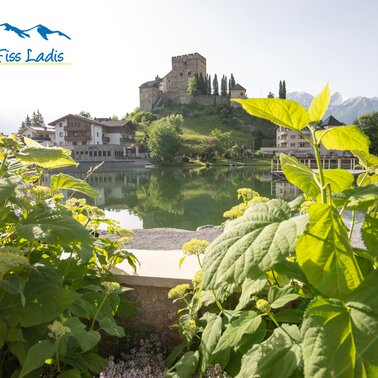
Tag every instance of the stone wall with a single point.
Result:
(148, 97)
(211, 100)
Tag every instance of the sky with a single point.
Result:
(116, 45)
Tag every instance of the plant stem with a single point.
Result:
(217, 301)
(97, 312)
(57, 354)
(3, 164)
(322, 185)
(352, 224)
(199, 261)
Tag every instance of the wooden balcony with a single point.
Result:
(77, 138)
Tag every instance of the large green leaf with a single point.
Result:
(63, 181)
(45, 157)
(277, 356)
(365, 159)
(36, 357)
(248, 323)
(279, 297)
(285, 113)
(369, 233)
(359, 198)
(325, 255)
(339, 340)
(304, 178)
(186, 367)
(45, 299)
(250, 287)
(319, 105)
(7, 187)
(344, 138)
(52, 226)
(209, 339)
(250, 245)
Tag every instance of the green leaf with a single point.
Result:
(249, 322)
(279, 297)
(86, 339)
(278, 356)
(319, 105)
(186, 367)
(304, 178)
(46, 157)
(250, 287)
(285, 113)
(367, 180)
(325, 255)
(111, 328)
(3, 332)
(359, 198)
(72, 373)
(344, 138)
(369, 234)
(7, 187)
(338, 339)
(209, 339)
(14, 285)
(36, 357)
(265, 235)
(67, 182)
(365, 159)
(52, 226)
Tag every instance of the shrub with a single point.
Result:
(57, 293)
(283, 292)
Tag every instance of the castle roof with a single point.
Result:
(238, 87)
(331, 121)
(151, 84)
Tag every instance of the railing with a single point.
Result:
(77, 128)
(77, 138)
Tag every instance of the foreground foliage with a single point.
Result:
(283, 293)
(57, 295)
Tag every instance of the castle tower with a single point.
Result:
(183, 67)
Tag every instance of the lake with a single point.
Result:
(179, 197)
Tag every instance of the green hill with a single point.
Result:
(199, 121)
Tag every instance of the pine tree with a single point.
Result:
(284, 89)
(280, 90)
(27, 120)
(208, 85)
(215, 86)
(232, 81)
(201, 85)
(224, 86)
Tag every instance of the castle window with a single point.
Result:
(185, 62)
(181, 74)
(189, 73)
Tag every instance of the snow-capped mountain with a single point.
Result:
(345, 109)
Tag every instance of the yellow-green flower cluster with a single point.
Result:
(236, 211)
(110, 287)
(197, 279)
(178, 291)
(195, 247)
(263, 306)
(10, 260)
(58, 330)
(189, 328)
(41, 193)
(247, 194)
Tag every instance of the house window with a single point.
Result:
(83, 143)
(292, 136)
(98, 134)
(292, 144)
(61, 133)
(61, 143)
(109, 153)
(189, 73)
(181, 74)
(241, 94)
(86, 152)
(61, 124)
(94, 153)
(302, 144)
(90, 153)
(74, 143)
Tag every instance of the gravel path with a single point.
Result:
(170, 238)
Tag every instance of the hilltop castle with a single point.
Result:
(174, 85)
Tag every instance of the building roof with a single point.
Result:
(238, 87)
(45, 129)
(77, 116)
(111, 123)
(331, 121)
(152, 84)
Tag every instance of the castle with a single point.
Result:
(174, 85)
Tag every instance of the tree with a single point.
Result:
(270, 95)
(368, 123)
(231, 83)
(115, 117)
(85, 114)
(208, 89)
(202, 87)
(163, 138)
(284, 89)
(224, 86)
(37, 119)
(280, 90)
(193, 87)
(215, 86)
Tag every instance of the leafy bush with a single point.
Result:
(57, 294)
(283, 292)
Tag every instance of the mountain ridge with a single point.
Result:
(41, 29)
(345, 109)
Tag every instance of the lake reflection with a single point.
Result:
(177, 197)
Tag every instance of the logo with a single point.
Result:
(36, 33)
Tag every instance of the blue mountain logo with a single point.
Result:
(43, 31)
